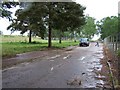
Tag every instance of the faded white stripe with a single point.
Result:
(66, 57)
(82, 58)
(51, 68)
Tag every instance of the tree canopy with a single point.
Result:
(89, 29)
(43, 17)
(4, 9)
(108, 26)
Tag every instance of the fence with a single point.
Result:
(113, 44)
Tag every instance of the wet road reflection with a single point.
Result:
(78, 68)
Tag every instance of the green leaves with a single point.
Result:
(89, 29)
(43, 17)
(109, 26)
(4, 12)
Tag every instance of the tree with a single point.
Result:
(4, 9)
(43, 17)
(29, 19)
(108, 26)
(69, 16)
(89, 29)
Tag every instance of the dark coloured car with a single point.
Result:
(84, 42)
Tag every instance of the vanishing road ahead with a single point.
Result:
(69, 69)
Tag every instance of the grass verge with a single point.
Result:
(10, 49)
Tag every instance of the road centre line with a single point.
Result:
(55, 66)
(51, 60)
(82, 58)
(52, 69)
(66, 57)
(59, 65)
(56, 56)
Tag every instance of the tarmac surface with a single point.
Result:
(75, 68)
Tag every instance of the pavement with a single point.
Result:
(78, 67)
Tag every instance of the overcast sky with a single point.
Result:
(100, 8)
(95, 8)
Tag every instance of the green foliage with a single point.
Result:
(89, 29)
(43, 17)
(68, 16)
(13, 48)
(4, 9)
(108, 26)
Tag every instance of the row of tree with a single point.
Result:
(57, 20)
(108, 26)
(44, 17)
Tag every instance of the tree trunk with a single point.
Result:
(74, 36)
(60, 37)
(74, 40)
(49, 36)
(50, 29)
(30, 34)
(60, 41)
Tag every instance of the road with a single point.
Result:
(77, 68)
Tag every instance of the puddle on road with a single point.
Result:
(94, 79)
(89, 70)
(98, 67)
(99, 52)
(100, 77)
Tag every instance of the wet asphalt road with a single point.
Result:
(70, 69)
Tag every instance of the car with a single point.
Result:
(84, 42)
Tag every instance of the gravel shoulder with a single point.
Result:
(108, 57)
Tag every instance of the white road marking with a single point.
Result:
(25, 63)
(83, 62)
(59, 65)
(82, 58)
(52, 60)
(54, 56)
(68, 52)
(66, 57)
(56, 66)
(51, 68)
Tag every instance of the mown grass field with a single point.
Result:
(12, 45)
